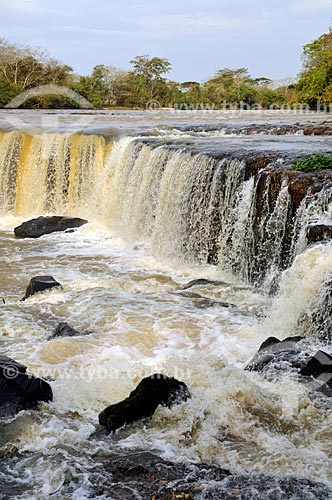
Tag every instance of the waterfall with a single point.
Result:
(48, 173)
(190, 206)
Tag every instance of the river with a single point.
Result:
(159, 190)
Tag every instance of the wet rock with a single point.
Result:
(273, 340)
(268, 342)
(319, 232)
(203, 282)
(39, 284)
(291, 355)
(302, 184)
(322, 313)
(203, 302)
(320, 363)
(144, 475)
(277, 354)
(143, 401)
(19, 390)
(323, 129)
(319, 369)
(35, 228)
(64, 330)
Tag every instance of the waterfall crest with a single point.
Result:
(191, 206)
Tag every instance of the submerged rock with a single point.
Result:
(39, 284)
(145, 475)
(319, 232)
(203, 281)
(203, 302)
(35, 228)
(143, 401)
(134, 475)
(64, 330)
(19, 390)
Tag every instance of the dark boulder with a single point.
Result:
(319, 232)
(291, 355)
(319, 364)
(282, 343)
(319, 369)
(64, 330)
(139, 474)
(39, 284)
(35, 228)
(143, 401)
(19, 390)
(277, 354)
(268, 343)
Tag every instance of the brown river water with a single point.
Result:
(132, 176)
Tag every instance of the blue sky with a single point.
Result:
(198, 36)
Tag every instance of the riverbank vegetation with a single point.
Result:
(315, 162)
(146, 85)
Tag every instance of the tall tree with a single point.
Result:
(147, 80)
(315, 83)
(23, 67)
(20, 65)
(106, 81)
(232, 86)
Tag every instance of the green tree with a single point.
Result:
(106, 86)
(84, 85)
(231, 86)
(107, 82)
(23, 67)
(147, 81)
(7, 92)
(315, 83)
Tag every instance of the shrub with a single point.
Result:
(314, 162)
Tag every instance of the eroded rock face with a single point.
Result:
(320, 313)
(39, 284)
(19, 390)
(143, 401)
(319, 232)
(35, 228)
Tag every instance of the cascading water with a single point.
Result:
(48, 172)
(193, 207)
(161, 213)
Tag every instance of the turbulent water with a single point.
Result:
(169, 199)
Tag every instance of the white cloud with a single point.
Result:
(310, 5)
(24, 5)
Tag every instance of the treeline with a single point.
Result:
(146, 84)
